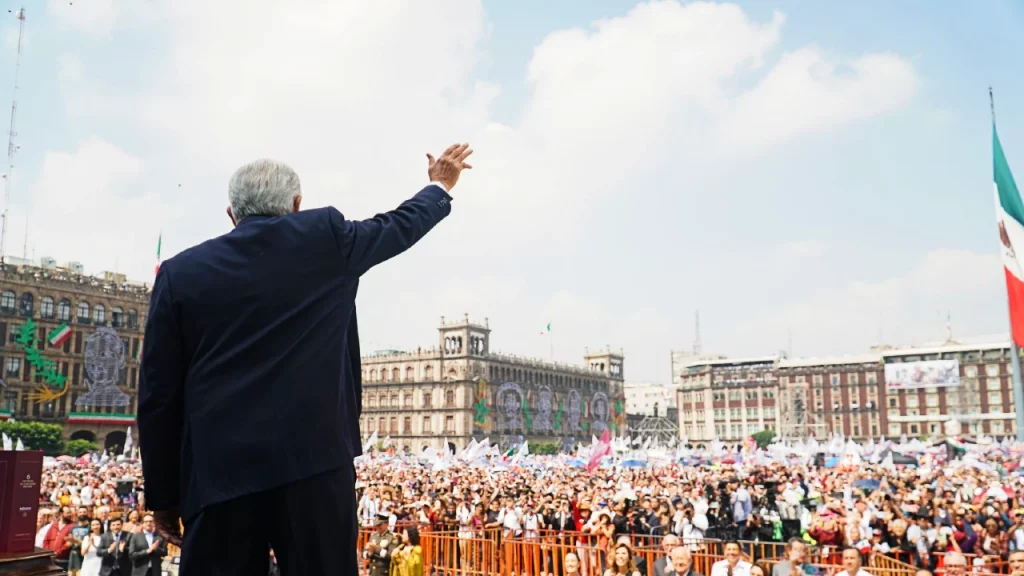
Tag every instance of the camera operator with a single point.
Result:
(741, 505)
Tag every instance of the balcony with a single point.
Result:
(84, 320)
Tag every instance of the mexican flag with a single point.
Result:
(159, 243)
(1010, 218)
(546, 330)
(59, 335)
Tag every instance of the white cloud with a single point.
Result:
(354, 93)
(806, 91)
(905, 309)
(91, 205)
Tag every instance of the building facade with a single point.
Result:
(460, 390)
(70, 345)
(727, 399)
(887, 392)
(648, 399)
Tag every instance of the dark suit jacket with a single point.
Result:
(251, 364)
(116, 562)
(662, 566)
(144, 563)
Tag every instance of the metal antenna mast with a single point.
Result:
(12, 148)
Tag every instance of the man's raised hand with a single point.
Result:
(449, 166)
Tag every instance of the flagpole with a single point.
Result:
(1018, 387)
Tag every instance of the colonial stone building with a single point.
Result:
(70, 345)
(461, 390)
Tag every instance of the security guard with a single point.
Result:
(380, 547)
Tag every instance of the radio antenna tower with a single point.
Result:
(12, 148)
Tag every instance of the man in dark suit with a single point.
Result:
(663, 565)
(113, 551)
(249, 402)
(147, 549)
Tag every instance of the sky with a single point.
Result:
(810, 176)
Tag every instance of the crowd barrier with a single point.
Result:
(543, 552)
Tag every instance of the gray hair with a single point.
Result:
(263, 188)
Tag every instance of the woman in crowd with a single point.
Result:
(622, 562)
(407, 559)
(91, 562)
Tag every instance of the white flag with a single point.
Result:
(127, 443)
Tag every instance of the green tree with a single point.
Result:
(36, 436)
(763, 438)
(78, 447)
(545, 448)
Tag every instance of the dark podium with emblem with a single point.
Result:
(20, 476)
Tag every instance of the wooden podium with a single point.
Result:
(37, 563)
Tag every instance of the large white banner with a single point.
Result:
(931, 373)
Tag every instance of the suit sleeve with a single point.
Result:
(137, 550)
(366, 243)
(161, 410)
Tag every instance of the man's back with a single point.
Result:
(249, 400)
(261, 325)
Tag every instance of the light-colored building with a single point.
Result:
(461, 390)
(727, 399)
(650, 399)
(88, 381)
(887, 392)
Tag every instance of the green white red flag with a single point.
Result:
(159, 242)
(59, 335)
(1010, 218)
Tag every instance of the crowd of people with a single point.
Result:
(92, 517)
(923, 515)
(935, 516)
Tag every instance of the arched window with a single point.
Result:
(396, 376)
(410, 374)
(381, 425)
(428, 373)
(116, 317)
(133, 318)
(7, 302)
(28, 304)
(394, 401)
(83, 312)
(407, 400)
(426, 398)
(99, 313)
(383, 374)
(383, 400)
(394, 426)
(46, 307)
(449, 398)
(64, 310)
(371, 425)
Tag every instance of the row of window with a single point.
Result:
(735, 413)
(994, 427)
(732, 395)
(382, 400)
(497, 374)
(390, 426)
(62, 311)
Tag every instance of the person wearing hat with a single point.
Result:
(380, 547)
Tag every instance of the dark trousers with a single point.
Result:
(310, 524)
